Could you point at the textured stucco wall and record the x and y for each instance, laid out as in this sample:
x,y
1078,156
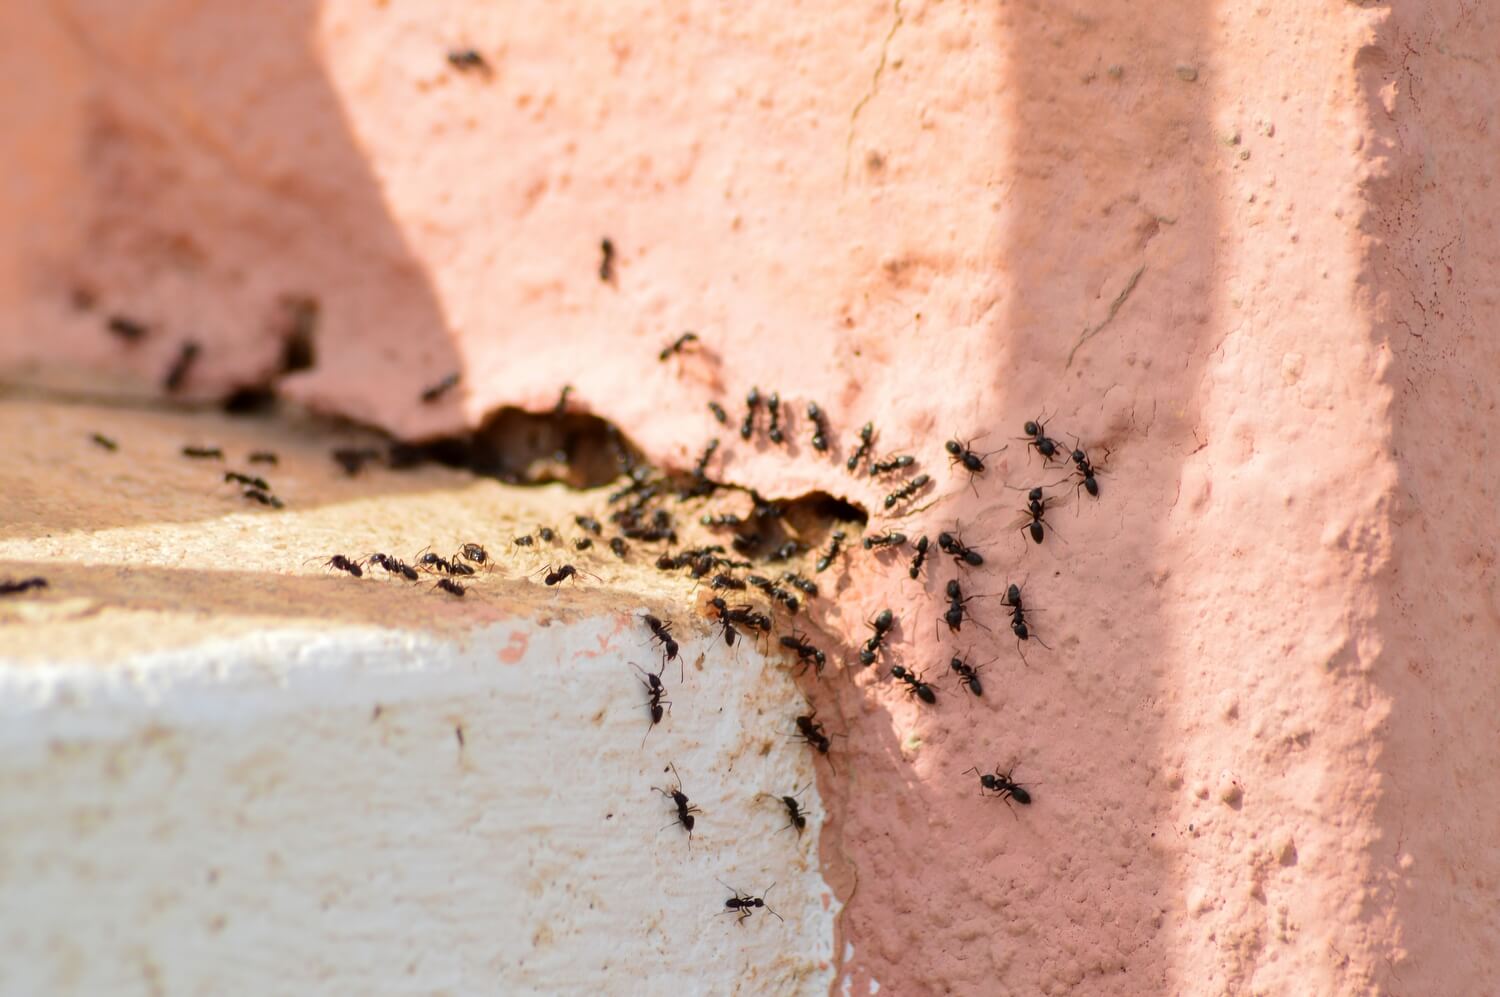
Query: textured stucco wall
x,y
1260,738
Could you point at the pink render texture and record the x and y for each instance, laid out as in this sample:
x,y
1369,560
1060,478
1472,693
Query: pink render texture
x,y
1247,249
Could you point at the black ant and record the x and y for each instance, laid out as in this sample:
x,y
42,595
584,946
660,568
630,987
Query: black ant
x,y
264,497
606,261
806,653
805,585
726,521
775,591
435,562
677,345
24,585
105,442
342,563
722,581
752,402
203,453
836,540
950,544
882,625
525,540
744,904
961,452
785,552
878,467
866,437
968,675
954,616
809,730
127,329
915,685
394,566
661,633
719,413
1031,518
773,406
685,810
1084,468
545,534
441,388
797,817
589,523
722,613
907,490
1036,433
247,479
820,428
655,693
618,547
465,59
354,459
177,375
264,457
451,587
1018,619
1001,784
700,469
583,543
889,538
556,575
916,561
474,552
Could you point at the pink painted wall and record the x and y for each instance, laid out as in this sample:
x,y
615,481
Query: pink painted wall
x,y
1262,740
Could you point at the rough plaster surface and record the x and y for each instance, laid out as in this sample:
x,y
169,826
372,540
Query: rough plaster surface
x,y
1261,738
264,778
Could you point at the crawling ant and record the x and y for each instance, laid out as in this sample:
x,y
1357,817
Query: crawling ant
x,y
719,413
685,810
8,587
661,633
820,428
264,457
433,561
177,375
677,345
773,406
796,816
474,552
451,587
618,547
916,560
583,543
246,479
726,621
1001,784
545,534
752,402
806,653
525,540
127,329
1084,468
882,625
835,545
655,693
785,552
105,442
589,523
354,459
954,616
700,469
203,453
968,675
950,544
394,566
1031,518
465,59
745,904
961,453
915,685
878,467
890,538
1018,619
342,563
606,261
806,586
722,581
441,388
1036,434
556,576
809,730
907,490
866,437
264,497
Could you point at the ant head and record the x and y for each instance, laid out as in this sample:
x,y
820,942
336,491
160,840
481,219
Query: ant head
x,y
1035,494
953,447
1013,593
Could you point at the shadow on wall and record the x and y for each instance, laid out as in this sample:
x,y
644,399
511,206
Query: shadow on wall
x,y
1109,230
166,171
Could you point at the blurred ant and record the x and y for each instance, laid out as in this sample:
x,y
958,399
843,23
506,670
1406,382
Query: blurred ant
x,y
834,546
556,575
968,675
127,329
583,543
878,467
441,388
354,459
907,490
949,543
1032,518
700,469
1002,786
606,261
342,563
203,453
820,428
589,523
545,534
722,581
719,413
752,402
773,406
451,587
263,457
525,540
866,437
916,561
685,810
655,693
9,587
177,375
881,624
465,59
776,592
785,552
954,616
806,586
677,345
915,685
246,479
745,904
727,521
890,538
1036,434
105,442
806,653
263,497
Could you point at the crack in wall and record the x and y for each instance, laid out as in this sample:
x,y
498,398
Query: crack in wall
x,y
885,48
